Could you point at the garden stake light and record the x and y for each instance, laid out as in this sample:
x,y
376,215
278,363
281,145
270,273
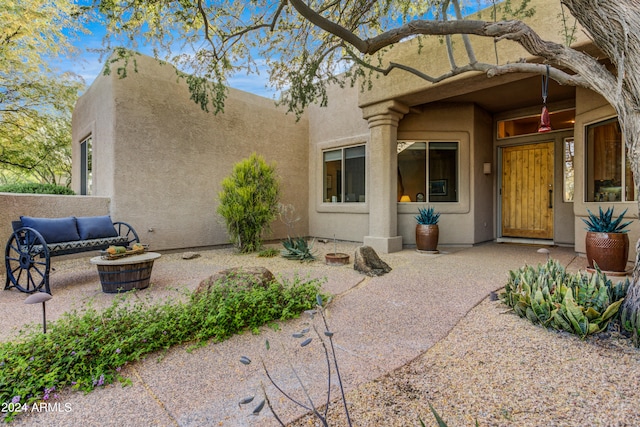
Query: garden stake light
x,y
544,251
42,297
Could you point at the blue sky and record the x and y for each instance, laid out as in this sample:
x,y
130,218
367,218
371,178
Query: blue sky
x,y
88,64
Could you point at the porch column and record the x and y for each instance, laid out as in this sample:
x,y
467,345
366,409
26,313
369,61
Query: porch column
x,y
383,121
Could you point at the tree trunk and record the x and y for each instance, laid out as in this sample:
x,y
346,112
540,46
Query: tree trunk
x,y
613,28
630,314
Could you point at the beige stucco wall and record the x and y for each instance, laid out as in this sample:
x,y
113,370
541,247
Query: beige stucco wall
x,y
431,55
340,124
94,115
48,206
483,191
443,122
592,108
161,158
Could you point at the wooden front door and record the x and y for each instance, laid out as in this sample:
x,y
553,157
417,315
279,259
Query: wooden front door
x,y
527,191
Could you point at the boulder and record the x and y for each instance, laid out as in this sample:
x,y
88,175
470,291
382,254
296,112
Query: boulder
x,y
367,261
190,255
240,276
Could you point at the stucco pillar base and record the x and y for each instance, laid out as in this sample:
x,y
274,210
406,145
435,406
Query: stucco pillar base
x,y
384,245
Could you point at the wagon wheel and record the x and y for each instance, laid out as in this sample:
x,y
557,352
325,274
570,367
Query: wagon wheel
x,y
27,261
126,231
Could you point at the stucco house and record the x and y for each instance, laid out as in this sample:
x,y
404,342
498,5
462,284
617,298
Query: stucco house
x,y
360,168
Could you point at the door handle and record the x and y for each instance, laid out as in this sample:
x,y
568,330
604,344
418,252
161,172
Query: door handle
x,y
550,197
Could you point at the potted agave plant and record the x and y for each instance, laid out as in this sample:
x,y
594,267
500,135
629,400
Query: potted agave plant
x,y
607,241
427,231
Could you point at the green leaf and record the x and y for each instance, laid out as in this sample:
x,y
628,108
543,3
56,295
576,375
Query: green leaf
x,y
591,313
611,310
438,418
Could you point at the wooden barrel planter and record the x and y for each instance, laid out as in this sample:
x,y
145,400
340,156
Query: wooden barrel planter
x,y
125,274
336,258
121,278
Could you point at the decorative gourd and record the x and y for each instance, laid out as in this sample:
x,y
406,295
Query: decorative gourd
x,y
114,250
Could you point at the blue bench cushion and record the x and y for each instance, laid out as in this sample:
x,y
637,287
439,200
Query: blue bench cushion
x,y
96,227
53,230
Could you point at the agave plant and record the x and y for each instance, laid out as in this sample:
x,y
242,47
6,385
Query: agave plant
x,y
298,249
427,216
576,303
604,222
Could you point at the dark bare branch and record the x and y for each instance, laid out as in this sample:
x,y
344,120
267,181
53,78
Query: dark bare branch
x,y
329,26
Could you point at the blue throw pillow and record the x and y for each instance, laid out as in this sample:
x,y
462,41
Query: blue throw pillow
x,y
53,230
96,227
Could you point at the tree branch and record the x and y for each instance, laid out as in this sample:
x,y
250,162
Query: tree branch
x,y
599,78
329,26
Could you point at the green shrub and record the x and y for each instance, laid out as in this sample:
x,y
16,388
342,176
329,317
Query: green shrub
x,y
630,319
249,202
87,349
575,303
268,253
36,188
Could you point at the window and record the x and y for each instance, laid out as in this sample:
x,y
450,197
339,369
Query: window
x,y
344,175
607,179
529,125
427,171
86,162
568,176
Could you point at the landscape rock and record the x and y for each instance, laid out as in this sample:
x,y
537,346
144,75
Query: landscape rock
x,y
367,261
190,255
240,276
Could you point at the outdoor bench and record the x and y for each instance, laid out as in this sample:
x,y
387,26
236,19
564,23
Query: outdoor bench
x,y
35,240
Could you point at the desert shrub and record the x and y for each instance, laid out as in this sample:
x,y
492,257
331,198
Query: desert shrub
x,y
576,303
249,202
268,253
87,349
298,248
36,188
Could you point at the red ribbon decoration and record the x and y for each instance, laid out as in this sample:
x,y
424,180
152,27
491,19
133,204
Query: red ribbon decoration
x,y
545,121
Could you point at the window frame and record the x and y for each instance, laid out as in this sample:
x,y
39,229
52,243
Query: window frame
x,y
429,183
86,165
535,119
622,158
335,181
568,169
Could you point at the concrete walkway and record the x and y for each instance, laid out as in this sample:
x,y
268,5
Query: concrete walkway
x,y
380,324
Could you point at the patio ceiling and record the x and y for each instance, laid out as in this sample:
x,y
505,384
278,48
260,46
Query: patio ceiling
x,y
494,95
516,95
499,94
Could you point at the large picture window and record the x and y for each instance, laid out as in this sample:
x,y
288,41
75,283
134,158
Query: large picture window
x,y
608,173
86,165
344,175
427,171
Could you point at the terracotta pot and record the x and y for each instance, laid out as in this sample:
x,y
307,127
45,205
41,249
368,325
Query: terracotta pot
x,y
427,237
609,250
336,258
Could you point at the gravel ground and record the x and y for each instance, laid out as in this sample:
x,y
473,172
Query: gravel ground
x,y
491,366
500,370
